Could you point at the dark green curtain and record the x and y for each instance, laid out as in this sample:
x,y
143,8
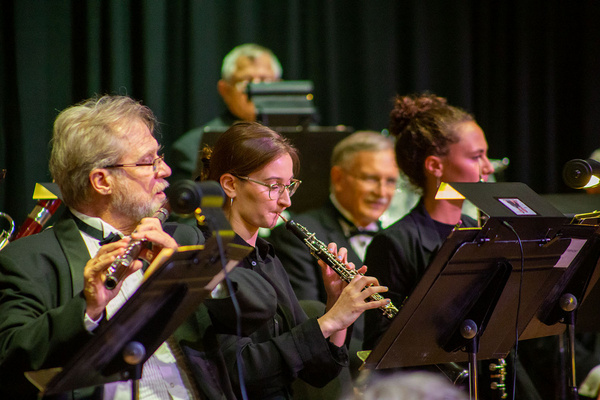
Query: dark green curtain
x,y
526,69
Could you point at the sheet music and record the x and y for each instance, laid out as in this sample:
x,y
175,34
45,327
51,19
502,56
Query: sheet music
x,y
570,253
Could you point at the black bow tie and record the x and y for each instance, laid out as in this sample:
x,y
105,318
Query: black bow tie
x,y
112,237
96,233
357,232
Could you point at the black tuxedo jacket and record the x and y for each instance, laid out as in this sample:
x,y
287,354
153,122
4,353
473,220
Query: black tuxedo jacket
x,y
42,305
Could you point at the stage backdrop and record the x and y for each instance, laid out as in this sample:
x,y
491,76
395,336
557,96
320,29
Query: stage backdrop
x,y
527,69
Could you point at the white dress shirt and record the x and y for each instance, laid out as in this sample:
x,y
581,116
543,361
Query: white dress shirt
x,y
161,378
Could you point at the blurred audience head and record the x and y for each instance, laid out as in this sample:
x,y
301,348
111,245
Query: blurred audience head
x,y
420,385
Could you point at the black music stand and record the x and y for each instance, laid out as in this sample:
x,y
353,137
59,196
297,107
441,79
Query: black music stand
x,y
174,286
283,103
464,308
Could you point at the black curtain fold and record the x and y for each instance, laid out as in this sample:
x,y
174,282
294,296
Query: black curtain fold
x,y
526,69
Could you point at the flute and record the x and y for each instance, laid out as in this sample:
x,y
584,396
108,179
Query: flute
x,y
117,270
320,251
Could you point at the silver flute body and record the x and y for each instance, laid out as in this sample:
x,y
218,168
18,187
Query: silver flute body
x,y
118,269
320,251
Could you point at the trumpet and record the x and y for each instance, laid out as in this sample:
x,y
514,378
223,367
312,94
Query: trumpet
x,y
319,250
117,270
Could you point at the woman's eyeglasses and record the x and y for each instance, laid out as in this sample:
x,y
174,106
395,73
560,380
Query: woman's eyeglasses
x,y
275,187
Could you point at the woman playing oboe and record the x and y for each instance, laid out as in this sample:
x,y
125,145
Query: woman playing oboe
x,y
256,168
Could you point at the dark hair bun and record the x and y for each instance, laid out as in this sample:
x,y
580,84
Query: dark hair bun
x,y
406,108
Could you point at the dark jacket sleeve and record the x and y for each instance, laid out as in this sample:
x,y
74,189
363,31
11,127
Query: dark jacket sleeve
x,y
276,363
385,257
39,328
286,346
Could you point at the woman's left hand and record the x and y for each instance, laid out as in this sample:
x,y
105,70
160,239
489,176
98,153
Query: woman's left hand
x,y
332,281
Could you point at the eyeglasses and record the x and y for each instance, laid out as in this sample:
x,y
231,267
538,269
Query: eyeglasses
x,y
155,164
375,181
275,187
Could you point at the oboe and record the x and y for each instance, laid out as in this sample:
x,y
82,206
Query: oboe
x,y
319,250
118,268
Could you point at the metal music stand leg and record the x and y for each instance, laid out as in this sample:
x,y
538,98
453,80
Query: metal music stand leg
x,y
135,385
568,303
133,354
469,330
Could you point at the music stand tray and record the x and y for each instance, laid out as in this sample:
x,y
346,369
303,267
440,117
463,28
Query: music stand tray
x,y
174,285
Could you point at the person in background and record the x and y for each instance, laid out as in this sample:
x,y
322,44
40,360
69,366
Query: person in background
x,y
420,385
256,168
112,177
363,177
244,64
435,142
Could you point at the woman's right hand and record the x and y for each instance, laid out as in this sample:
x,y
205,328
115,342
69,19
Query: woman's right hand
x,y
350,305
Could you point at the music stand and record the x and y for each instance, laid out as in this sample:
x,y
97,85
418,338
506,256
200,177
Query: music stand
x,y
174,286
469,295
283,103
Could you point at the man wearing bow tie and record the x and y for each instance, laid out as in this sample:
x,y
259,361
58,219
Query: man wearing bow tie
x,y
106,162
363,181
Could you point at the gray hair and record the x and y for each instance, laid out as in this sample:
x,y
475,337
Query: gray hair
x,y
419,385
252,51
89,135
359,141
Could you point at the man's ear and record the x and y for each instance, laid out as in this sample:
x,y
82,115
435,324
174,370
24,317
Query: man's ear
x,y
102,182
434,166
336,174
223,87
228,183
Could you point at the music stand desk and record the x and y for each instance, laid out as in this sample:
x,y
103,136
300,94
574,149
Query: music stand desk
x,y
476,275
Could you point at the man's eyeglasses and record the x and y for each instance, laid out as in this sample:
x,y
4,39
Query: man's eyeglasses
x,y
155,164
376,181
275,187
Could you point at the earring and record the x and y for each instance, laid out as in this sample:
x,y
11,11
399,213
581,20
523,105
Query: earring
x,y
231,203
438,181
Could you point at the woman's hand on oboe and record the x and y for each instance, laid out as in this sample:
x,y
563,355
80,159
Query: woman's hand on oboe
x,y
331,280
350,304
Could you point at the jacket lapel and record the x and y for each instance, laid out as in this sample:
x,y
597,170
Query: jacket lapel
x,y
74,248
336,234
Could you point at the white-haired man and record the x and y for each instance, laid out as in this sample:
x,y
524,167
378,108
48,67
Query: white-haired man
x,y
244,64
107,165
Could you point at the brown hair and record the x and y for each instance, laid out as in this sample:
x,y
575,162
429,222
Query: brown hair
x,y
244,148
423,125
